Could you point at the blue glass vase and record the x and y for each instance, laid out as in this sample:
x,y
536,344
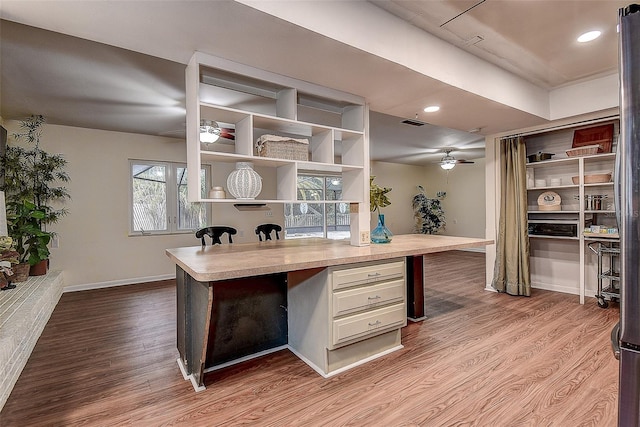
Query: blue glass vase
x,y
381,234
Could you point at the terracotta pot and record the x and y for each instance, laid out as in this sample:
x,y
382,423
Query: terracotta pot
x,y
39,269
20,272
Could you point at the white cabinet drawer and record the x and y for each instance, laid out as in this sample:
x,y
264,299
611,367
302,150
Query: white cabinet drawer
x,y
368,274
367,324
368,297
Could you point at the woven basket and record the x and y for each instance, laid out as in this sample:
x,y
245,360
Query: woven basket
x,y
587,150
20,272
278,147
598,178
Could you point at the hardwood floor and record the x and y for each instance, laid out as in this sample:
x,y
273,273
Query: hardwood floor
x,y
108,358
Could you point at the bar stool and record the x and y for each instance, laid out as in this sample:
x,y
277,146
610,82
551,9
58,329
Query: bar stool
x,y
215,232
266,229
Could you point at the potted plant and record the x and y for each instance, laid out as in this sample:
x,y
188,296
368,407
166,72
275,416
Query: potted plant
x,y
33,175
24,225
428,213
378,199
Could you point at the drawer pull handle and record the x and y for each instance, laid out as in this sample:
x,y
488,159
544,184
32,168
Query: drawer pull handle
x,y
377,322
374,298
373,274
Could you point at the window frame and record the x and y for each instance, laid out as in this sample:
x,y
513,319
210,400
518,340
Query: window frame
x,y
325,203
171,176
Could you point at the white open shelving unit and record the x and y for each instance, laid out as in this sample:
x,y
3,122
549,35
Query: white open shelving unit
x,y
562,263
255,102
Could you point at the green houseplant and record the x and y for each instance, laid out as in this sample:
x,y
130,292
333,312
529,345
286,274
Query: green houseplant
x,y
428,213
35,191
378,199
24,224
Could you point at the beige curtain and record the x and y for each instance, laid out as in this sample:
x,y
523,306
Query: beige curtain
x,y
511,271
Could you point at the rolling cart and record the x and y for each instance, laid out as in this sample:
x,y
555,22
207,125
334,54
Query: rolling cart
x,y
612,291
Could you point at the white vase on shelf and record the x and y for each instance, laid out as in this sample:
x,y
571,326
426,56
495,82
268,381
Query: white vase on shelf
x,y
244,182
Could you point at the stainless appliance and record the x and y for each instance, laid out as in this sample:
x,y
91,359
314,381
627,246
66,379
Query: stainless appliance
x,y
628,185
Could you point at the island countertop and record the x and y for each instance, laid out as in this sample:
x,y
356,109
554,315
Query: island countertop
x,y
230,261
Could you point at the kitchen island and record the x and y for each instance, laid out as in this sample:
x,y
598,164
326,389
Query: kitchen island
x,y
239,301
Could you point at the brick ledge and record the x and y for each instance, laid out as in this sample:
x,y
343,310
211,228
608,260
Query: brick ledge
x,y
24,312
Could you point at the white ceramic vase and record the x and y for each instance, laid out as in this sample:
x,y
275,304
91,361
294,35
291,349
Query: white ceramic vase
x,y
244,182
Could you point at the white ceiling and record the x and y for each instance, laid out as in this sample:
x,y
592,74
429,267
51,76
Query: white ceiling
x,y
535,39
120,65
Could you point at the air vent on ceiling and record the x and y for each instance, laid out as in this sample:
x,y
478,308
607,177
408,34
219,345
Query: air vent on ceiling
x,y
413,122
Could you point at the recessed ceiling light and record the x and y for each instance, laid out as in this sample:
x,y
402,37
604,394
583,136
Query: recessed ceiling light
x,y
588,36
431,109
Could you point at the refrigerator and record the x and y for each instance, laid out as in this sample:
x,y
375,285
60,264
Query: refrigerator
x,y
626,335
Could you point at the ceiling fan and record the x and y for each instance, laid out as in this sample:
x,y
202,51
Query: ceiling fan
x,y
448,162
211,131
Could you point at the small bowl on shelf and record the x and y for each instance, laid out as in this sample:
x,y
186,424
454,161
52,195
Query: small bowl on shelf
x,y
217,193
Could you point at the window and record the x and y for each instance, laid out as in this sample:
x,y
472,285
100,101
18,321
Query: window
x,y
159,208
313,219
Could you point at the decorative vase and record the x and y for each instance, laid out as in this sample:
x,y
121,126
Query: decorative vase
x,y
217,193
244,182
381,234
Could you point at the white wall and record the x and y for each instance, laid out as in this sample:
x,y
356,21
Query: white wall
x,y
95,247
465,200
585,97
403,180
463,206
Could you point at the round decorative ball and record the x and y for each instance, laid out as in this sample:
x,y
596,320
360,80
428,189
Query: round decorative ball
x,y
244,182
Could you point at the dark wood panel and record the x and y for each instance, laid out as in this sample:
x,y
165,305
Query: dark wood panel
x,y
181,321
108,357
249,316
415,287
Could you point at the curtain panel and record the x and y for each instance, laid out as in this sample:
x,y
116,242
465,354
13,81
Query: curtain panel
x,y
512,273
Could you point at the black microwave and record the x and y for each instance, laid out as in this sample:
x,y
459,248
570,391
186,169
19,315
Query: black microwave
x,y
553,228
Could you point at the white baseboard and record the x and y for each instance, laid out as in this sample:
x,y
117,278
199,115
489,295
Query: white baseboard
x,y
556,288
190,377
345,368
545,287
113,283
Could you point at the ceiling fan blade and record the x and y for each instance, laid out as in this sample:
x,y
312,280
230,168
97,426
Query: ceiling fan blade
x,y
227,135
457,162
